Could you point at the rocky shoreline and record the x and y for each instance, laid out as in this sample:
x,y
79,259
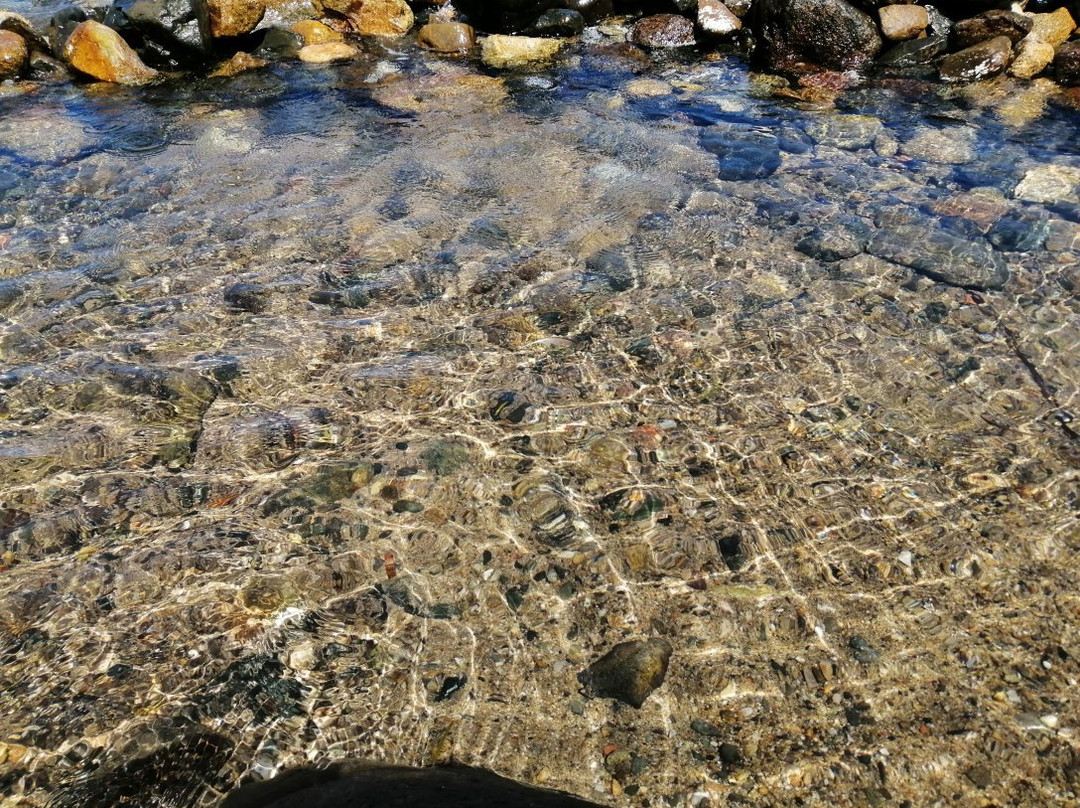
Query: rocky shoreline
x,y
814,42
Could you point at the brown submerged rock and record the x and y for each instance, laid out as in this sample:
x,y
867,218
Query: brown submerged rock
x,y
628,672
663,31
446,37
977,62
14,54
101,53
234,17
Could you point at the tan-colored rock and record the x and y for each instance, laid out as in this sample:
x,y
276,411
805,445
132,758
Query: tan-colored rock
x,y
239,63
14,54
502,51
1053,28
101,53
713,17
325,52
1031,57
392,18
903,21
446,37
234,17
315,33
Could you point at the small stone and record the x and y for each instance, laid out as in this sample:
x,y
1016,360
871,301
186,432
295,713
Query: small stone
x,y
1053,28
101,53
903,21
234,17
952,146
863,651
14,55
239,63
280,43
389,18
502,51
978,62
326,52
1067,64
315,33
629,672
1032,57
558,22
663,31
715,18
980,776
447,37
990,24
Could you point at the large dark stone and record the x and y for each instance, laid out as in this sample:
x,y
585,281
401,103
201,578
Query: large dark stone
x,y
742,154
826,33
372,785
990,24
558,22
628,672
1067,63
515,16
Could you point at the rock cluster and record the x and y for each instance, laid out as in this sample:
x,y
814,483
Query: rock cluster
x,y
138,42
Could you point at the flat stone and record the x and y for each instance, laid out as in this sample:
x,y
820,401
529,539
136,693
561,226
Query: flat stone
x,y
663,31
1032,57
977,62
101,53
325,52
503,51
1067,64
557,22
234,17
240,62
629,672
990,24
1053,28
952,146
315,32
1050,183
14,54
716,19
903,21
447,37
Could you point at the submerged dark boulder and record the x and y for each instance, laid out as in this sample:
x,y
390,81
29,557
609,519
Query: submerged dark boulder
x,y
824,33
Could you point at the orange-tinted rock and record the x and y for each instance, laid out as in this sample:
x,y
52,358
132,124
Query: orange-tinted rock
x,y
446,37
239,63
328,52
14,54
315,33
380,17
234,17
101,53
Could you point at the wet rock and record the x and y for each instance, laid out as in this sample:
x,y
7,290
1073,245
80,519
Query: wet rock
x,y
510,407
990,24
845,131
863,651
443,458
234,17
918,244
279,43
629,672
742,154
827,33
1032,57
179,28
101,53
838,240
924,50
504,52
387,18
315,32
1053,28
716,19
558,22
611,268
14,55
1022,232
18,24
977,62
950,146
364,784
240,62
543,505
663,31
1067,64
401,592
45,68
257,683
250,297
1049,184
447,37
325,52
902,21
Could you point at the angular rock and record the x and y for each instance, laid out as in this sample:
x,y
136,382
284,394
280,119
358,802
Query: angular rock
x,y
180,28
388,18
716,19
991,24
500,51
1053,28
1067,64
1049,184
977,62
447,37
325,52
239,63
663,31
827,33
101,53
845,131
234,17
14,55
902,21
315,33
1032,57
742,154
840,239
558,22
629,672
905,239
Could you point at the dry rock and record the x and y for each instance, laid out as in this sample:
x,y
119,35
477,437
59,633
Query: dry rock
x,y
713,17
1067,64
903,21
328,52
1032,57
316,33
101,53
234,17
17,24
502,51
14,54
447,37
1053,28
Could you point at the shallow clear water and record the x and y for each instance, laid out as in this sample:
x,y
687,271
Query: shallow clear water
x,y
353,411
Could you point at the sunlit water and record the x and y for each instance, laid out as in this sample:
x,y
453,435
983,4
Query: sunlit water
x,y
352,411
